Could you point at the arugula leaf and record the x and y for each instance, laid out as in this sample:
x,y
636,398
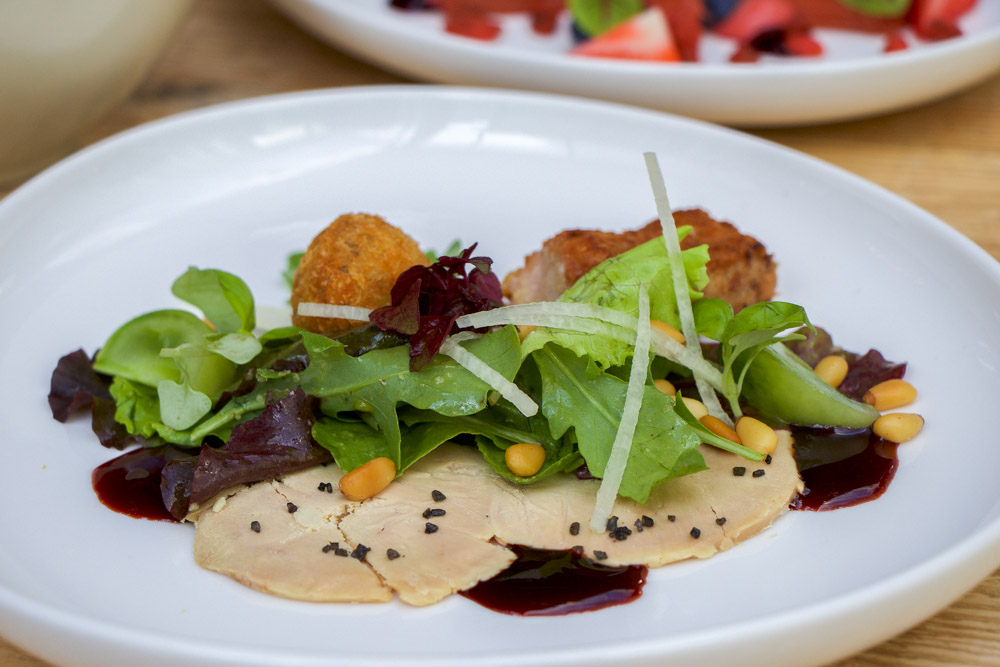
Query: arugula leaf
x,y
663,447
351,443
223,298
595,16
614,283
880,8
378,381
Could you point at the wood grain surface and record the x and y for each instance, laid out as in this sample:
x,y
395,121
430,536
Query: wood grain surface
x,y
944,157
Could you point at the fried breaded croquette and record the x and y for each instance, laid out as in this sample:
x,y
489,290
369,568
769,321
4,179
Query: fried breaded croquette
x,y
353,262
740,270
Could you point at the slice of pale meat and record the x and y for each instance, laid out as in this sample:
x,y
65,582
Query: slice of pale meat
x,y
456,552
286,557
691,517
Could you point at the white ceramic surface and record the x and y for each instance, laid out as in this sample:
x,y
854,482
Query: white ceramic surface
x,y
99,238
854,79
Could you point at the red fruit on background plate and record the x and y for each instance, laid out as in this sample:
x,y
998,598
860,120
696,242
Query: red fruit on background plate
x,y
645,36
938,19
685,18
752,18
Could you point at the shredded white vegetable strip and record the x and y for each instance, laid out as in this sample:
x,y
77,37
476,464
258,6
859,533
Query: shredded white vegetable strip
x,y
311,309
681,293
498,316
618,459
484,372
591,319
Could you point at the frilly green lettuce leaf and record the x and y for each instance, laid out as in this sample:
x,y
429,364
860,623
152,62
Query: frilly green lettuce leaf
x,y
614,283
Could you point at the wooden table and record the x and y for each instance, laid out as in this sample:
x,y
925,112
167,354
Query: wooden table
x,y
944,157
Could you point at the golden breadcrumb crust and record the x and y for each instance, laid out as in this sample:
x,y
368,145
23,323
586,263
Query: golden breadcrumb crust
x,y
353,262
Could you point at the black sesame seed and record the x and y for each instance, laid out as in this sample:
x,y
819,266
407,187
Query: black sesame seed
x,y
739,471
341,552
360,552
255,526
391,554
759,472
426,513
647,521
437,496
600,555
437,511
695,533
326,548
621,533
574,528
768,459
430,528
638,525
291,508
671,517
721,521
612,524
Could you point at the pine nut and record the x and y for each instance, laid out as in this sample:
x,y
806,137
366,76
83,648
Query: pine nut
x,y
832,370
695,407
524,459
666,386
368,479
757,435
668,329
898,426
890,395
720,428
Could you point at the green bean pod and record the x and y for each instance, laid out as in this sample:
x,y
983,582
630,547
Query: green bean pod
x,y
781,386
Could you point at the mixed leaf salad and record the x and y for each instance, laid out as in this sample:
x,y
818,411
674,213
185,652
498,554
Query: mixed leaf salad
x,y
445,361
671,30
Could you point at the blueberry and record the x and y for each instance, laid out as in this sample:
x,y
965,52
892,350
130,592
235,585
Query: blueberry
x,y
718,10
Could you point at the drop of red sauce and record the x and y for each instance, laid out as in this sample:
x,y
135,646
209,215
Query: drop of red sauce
x,y
841,468
130,484
555,583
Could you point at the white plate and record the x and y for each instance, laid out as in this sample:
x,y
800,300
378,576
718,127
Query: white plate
x,y
99,238
854,78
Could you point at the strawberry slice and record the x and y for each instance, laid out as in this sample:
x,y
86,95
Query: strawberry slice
x,y
938,19
752,18
685,18
645,36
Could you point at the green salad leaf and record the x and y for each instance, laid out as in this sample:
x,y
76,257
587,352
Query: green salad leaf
x,y
224,299
614,284
593,17
663,447
378,381
879,8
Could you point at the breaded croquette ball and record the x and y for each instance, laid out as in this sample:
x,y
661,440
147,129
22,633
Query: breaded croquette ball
x,y
353,262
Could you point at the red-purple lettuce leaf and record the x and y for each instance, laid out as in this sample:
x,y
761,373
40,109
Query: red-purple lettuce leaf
x,y
426,301
75,384
868,371
276,442
863,371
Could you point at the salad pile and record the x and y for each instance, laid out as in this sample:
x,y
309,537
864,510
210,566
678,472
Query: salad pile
x,y
671,30
445,362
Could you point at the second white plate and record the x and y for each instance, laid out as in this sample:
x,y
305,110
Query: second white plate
x,y
854,79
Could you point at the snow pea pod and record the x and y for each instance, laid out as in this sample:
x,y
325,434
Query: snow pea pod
x,y
782,386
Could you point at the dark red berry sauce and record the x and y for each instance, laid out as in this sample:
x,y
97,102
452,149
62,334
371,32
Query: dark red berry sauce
x,y
554,583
